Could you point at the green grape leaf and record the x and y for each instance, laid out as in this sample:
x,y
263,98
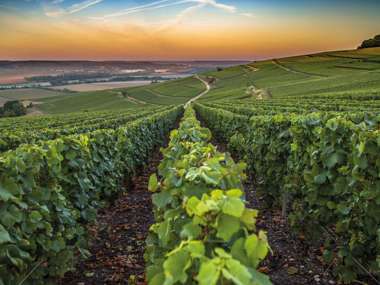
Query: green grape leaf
x,y
211,177
250,244
237,193
222,253
157,279
209,272
249,218
321,178
201,209
332,160
191,205
257,248
233,206
227,226
163,231
9,189
175,267
196,248
153,183
259,278
4,235
35,216
5,195
237,272
161,199
238,250
191,231
217,194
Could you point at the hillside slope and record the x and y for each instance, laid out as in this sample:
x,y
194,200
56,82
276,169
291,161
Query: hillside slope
x,y
339,73
172,92
344,72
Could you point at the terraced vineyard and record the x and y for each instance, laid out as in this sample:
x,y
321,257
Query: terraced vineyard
x,y
302,207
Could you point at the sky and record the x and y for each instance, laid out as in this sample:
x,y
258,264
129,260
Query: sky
x,y
181,29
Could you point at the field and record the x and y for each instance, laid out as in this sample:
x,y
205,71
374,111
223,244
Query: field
x,y
30,94
50,101
271,176
100,86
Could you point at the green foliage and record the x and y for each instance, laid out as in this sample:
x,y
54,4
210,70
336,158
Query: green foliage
x,y
267,153
49,191
34,130
327,164
172,92
12,109
204,233
334,182
371,43
352,73
226,126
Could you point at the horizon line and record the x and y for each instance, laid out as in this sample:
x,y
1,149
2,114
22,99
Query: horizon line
x,y
124,60
178,60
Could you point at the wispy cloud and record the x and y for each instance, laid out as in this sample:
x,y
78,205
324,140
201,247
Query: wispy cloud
x,y
138,9
82,5
180,17
227,8
249,15
167,3
54,11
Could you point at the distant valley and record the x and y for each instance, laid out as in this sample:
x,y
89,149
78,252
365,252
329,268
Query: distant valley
x,y
32,74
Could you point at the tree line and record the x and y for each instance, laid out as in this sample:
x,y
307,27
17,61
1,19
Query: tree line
x,y
370,43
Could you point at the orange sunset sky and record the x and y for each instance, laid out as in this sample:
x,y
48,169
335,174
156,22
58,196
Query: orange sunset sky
x,y
181,30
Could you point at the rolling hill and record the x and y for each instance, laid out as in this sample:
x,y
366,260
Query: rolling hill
x,y
343,73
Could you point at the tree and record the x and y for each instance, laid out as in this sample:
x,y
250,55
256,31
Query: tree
x,y
370,43
13,109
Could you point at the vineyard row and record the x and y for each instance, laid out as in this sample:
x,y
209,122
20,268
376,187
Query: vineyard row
x,y
204,233
49,191
323,168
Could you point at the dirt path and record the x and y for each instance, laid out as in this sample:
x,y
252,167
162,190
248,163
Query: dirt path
x,y
155,93
284,67
136,101
131,99
201,94
119,237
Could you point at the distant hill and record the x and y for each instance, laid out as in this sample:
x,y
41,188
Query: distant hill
x,y
350,73
375,42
